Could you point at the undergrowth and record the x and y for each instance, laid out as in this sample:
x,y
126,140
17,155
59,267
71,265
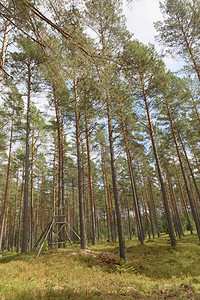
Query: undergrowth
x,y
154,270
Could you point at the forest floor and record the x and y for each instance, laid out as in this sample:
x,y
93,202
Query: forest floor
x,y
154,270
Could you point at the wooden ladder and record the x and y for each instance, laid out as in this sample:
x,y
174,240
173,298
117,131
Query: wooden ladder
x,y
54,227
40,243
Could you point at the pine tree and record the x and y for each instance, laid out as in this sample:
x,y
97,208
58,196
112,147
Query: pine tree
x,y
180,30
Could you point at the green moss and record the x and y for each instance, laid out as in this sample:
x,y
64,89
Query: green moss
x,y
153,271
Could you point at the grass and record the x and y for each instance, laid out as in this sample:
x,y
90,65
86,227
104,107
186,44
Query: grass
x,y
154,270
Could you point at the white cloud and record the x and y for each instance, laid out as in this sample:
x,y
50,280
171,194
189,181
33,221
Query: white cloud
x,y
140,17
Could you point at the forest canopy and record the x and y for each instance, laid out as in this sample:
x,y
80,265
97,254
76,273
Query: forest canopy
x,y
97,137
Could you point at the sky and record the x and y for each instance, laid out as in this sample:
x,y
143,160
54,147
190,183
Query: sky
x,y
140,15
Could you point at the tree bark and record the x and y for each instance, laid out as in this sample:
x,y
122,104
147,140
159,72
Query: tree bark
x,y
32,186
37,210
105,194
122,247
196,110
174,205
112,222
189,166
195,156
3,51
68,215
140,229
149,207
193,196
54,182
59,210
25,230
43,205
20,211
194,213
127,207
10,227
59,152
15,214
183,199
80,176
145,206
190,50
163,189
90,178
62,165
7,183
154,208
6,217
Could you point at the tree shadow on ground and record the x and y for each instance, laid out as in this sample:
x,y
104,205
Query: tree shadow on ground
x,y
6,259
182,292
70,294
156,259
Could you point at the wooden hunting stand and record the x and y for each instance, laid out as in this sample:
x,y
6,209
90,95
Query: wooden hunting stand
x,y
55,232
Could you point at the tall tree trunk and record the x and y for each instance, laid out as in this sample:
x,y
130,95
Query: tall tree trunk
x,y
63,163
73,210
32,207
54,182
110,207
189,46
196,110
149,207
90,178
172,209
163,189
80,176
87,215
174,205
122,246
105,194
7,183
193,196
183,199
20,212
154,207
114,213
10,227
43,205
62,181
189,166
59,152
37,210
25,230
140,229
15,214
6,217
59,209
195,156
194,213
3,51
127,207
68,215
145,206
